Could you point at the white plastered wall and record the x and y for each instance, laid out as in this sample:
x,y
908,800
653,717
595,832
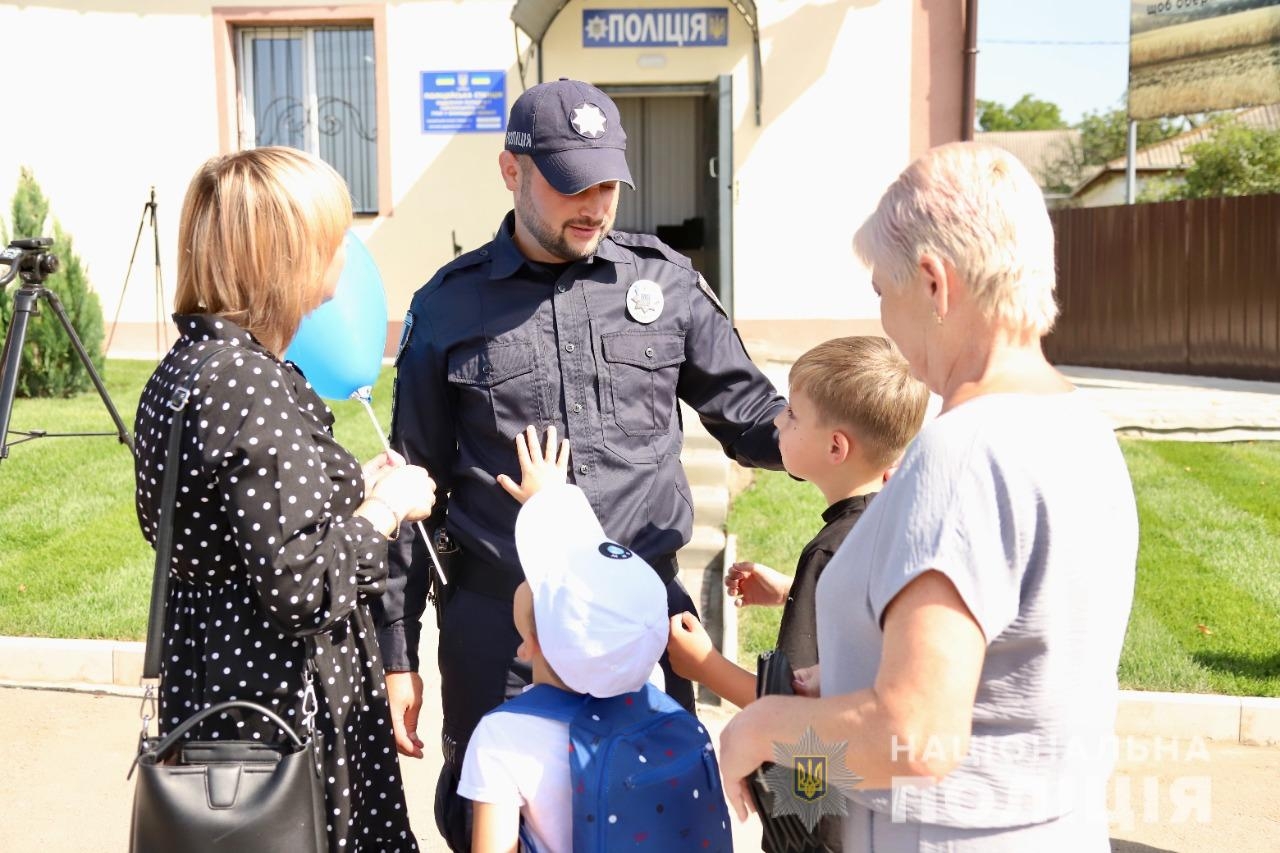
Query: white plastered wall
x,y
111,98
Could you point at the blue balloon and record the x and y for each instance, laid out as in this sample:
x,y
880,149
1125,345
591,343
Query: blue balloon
x,y
339,345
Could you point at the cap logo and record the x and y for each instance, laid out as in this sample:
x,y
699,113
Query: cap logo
x,y
588,120
614,551
519,139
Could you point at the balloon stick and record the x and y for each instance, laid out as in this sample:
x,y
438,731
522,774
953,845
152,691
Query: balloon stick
x,y
365,396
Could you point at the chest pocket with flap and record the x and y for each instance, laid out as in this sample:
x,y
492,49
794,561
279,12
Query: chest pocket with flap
x,y
644,368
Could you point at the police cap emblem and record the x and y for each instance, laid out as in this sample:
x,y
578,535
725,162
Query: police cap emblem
x,y
588,120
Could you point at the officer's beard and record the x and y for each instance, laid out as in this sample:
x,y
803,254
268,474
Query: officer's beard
x,y
553,239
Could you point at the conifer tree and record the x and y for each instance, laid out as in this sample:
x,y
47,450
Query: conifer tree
x,y
50,366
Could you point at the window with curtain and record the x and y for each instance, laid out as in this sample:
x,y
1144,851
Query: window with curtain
x,y
313,88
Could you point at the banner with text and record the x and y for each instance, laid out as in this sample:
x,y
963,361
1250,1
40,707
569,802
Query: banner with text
x,y
660,27
1190,56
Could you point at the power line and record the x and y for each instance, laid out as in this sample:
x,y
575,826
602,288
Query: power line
x,y
1055,43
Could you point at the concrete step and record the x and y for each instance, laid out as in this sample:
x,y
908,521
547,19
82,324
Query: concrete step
x,y
710,505
695,436
704,547
706,466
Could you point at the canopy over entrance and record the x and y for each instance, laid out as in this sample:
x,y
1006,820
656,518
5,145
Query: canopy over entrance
x,y
535,17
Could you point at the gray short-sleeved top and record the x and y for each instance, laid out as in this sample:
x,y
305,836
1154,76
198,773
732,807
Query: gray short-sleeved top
x,y
1024,502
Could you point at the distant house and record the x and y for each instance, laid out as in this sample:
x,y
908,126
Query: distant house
x,y
1161,162
1039,151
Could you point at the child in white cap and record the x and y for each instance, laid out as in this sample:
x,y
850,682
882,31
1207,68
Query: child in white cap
x,y
592,618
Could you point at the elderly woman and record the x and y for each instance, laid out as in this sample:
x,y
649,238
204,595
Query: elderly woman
x,y
279,535
970,626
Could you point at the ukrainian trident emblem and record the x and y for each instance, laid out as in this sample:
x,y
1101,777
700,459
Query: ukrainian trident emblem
x,y
810,777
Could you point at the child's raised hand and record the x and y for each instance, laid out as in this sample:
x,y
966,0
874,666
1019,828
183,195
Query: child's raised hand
x,y
689,646
539,468
756,583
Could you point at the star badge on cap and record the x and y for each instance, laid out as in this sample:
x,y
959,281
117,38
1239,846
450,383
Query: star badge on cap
x,y
588,120
644,301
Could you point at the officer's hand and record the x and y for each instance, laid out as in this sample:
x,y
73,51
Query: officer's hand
x,y
756,583
539,467
404,695
689,646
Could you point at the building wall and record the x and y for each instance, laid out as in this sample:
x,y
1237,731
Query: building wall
x,y
1109,188
146,100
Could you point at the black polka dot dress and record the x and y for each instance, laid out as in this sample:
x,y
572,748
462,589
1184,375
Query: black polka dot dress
x,y
265,553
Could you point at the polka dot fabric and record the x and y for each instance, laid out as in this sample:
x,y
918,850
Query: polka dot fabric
x,y
266,551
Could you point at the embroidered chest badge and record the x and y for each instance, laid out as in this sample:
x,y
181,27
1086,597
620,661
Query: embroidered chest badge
x,y
644,301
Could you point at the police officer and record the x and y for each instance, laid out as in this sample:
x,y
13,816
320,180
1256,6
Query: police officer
x,y
558,321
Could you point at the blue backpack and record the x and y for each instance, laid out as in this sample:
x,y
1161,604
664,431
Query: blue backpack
x,y
644,773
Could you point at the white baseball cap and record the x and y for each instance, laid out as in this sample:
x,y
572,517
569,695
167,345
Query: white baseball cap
x,y
601,611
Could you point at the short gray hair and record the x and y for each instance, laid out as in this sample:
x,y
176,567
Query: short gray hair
x,y
977,207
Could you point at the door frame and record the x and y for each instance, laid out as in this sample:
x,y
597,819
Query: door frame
x,y
720,88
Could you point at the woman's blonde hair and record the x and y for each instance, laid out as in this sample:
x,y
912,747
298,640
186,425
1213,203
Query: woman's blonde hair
x,y
258,232
976,206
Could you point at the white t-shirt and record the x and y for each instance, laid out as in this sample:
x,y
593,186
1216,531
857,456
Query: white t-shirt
x,y
523,760
1024,502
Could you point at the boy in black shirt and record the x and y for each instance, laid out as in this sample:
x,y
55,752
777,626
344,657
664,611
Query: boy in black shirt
x,y
853,410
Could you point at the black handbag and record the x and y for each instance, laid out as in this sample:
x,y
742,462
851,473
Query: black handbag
x,y
781,833
219,796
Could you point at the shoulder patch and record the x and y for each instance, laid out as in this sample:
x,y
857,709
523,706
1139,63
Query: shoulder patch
x,y
647,245
406,332
705,287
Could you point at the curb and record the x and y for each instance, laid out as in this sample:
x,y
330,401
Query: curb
x,y
115,667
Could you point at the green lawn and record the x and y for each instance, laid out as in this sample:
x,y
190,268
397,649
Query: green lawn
x,y
1206,615
72,561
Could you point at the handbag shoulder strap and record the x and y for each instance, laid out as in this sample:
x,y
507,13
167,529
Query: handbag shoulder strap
x,y
164,519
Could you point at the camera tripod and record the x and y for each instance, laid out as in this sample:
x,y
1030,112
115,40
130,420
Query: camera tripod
x,y
148,215
31,260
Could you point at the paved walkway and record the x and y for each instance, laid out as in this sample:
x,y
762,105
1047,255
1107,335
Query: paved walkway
x,y
66,755
1157,405
1194,408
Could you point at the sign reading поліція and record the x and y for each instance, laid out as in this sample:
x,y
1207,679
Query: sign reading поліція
x,y
655,27
464,101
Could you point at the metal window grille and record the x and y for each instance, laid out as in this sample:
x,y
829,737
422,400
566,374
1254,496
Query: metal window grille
x,y
313,88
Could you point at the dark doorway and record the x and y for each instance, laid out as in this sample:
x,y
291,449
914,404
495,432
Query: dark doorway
x,y
680,150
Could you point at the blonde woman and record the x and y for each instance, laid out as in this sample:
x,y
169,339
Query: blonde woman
x,y
970,626
279,534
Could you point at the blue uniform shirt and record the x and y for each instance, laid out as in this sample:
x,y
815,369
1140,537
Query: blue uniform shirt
x,y
494,343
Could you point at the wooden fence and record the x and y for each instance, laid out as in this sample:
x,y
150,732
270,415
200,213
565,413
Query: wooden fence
x,y
1179,287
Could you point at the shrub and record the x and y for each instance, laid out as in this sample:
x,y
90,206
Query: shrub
x,y
50,366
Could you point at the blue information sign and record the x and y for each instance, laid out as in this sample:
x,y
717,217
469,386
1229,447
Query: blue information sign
x,y
464,101
655,27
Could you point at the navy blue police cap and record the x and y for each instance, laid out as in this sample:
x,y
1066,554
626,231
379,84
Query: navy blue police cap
x,y
574,134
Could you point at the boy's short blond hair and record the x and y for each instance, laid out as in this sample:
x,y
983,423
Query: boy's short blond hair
x,y
864,385
258,231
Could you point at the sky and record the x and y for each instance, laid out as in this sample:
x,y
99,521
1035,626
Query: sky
x,y
1075,54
